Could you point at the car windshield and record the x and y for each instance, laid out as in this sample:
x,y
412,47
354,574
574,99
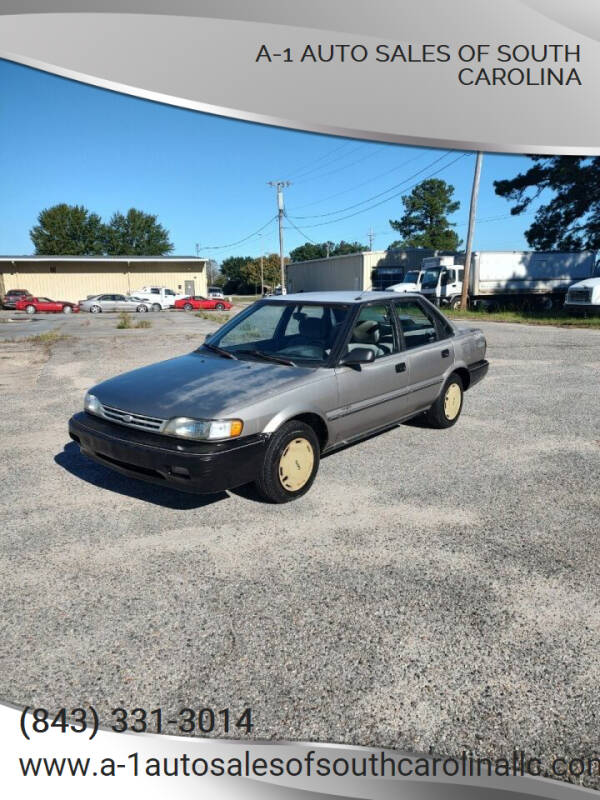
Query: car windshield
x,y
411,277
294,331
430,278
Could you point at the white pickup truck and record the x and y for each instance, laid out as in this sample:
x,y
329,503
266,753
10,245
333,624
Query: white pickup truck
x,y
159,296
584,296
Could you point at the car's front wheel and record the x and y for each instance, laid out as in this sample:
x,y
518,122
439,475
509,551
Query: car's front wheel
x,y
219,306
67,310
142,309
290,464
444,413
95,309
30,309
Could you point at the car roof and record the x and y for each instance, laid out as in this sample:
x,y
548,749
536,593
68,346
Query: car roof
x,y
355,297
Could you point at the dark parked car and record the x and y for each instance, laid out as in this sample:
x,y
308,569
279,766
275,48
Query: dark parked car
x,y
12,296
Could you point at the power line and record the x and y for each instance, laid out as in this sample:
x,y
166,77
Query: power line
x,y
318,176
308,239
379,194
325,156
386,199
239,241
364,183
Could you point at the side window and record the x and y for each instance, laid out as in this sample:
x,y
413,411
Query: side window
x,y
374,330
259,326
119,297
299,324
418,327
154,291
170,292
461,275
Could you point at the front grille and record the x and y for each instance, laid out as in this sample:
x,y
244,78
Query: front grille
x,y
579,296
132,420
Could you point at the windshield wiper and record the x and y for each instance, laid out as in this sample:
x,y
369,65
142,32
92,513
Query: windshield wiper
x,y
268,357
219,350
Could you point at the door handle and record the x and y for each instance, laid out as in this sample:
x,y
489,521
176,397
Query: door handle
x,y
445,353
401,367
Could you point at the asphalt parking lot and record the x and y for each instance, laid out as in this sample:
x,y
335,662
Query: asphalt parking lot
x,y
435,590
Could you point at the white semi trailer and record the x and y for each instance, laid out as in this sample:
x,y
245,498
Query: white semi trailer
x,y
499,278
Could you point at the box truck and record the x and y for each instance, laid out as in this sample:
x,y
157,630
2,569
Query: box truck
x,y
499,278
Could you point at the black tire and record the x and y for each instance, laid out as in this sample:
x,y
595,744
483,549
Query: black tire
x,y
219,306
156,307
455,303
272,480
30,309
95,309
188,307
444,413
142,309
67,309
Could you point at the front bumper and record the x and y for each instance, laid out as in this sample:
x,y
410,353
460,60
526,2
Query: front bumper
x,y
478,371
198,467
581,308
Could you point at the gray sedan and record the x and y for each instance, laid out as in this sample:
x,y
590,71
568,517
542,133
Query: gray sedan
x,y
288,380
114,302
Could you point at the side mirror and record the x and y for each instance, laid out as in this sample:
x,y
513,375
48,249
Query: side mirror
x,y
358,356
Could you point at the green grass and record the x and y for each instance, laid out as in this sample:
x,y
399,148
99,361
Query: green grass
x,y
244,299
48,339
558,318
214,316
124,320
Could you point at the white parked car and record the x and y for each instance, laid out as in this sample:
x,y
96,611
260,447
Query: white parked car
x,y
215,293
159,296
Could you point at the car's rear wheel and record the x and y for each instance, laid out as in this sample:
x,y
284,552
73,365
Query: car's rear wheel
x,y
67,310
444,413
156,307
141,309
219,306
187,307
290,464
95,309
30,309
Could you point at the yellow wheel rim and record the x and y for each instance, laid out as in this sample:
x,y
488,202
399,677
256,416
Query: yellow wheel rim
x,y
452,401
296,464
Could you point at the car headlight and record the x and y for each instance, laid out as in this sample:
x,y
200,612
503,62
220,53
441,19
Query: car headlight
x,y
203,428
92,404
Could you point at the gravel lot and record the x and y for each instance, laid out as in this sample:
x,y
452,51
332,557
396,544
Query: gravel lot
x,y
435,590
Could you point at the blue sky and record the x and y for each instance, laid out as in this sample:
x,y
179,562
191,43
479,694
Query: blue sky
x,y
206,176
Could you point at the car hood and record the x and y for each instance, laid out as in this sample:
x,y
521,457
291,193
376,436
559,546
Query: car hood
x,y
589,283
404,288
198,385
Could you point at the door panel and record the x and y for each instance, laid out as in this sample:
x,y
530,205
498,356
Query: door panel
x,y
429,354
375,394
373,397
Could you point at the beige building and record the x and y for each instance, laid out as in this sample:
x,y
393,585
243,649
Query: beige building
x,y
76,277
361,271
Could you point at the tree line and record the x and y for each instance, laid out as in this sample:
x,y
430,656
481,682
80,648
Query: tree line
x,y
73,230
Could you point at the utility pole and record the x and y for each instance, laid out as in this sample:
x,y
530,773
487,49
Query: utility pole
x,y
470,231
371,237
327,249
262,275
280,186
262,272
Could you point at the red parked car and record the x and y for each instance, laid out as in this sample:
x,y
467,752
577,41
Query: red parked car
x,y
12,296
189,303
34,304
